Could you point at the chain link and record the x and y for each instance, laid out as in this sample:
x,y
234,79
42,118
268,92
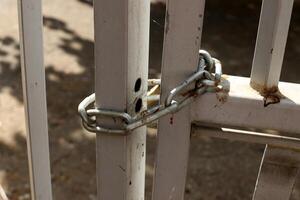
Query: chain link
x,y
204,80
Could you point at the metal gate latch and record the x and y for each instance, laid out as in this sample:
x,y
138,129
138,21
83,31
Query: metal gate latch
x,y
204,80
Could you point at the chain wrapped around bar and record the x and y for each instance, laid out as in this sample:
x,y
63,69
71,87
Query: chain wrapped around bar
x,y
204,80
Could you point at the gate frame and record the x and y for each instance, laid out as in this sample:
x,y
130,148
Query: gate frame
x,y
126,60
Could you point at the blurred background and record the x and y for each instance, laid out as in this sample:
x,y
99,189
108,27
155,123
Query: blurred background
x,y
218,169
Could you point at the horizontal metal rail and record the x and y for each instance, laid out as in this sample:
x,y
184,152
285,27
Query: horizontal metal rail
x,y
245,107
248,136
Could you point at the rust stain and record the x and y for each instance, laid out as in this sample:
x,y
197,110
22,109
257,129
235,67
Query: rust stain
x,y
271,95
222,96
223,89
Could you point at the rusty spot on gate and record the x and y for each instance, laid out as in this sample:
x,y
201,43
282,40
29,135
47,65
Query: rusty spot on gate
x,y
271,95
222,96
223,89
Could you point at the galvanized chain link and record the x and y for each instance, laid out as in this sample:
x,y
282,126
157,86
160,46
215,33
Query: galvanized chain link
x,y
204,79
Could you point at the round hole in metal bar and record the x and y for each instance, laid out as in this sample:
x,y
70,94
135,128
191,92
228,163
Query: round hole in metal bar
x,y
138,105
137,85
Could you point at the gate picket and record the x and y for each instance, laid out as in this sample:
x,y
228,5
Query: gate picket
x,y
276,178
180,57
34,90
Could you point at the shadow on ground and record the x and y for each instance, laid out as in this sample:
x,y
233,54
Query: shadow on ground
x,y
218,169
64,92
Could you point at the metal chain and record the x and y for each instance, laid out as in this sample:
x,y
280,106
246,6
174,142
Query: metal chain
x,y
203,79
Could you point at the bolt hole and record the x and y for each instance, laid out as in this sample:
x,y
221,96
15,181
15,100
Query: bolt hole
x,y
138,105
138,84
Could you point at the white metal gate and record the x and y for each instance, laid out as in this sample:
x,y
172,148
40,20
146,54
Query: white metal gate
x,y
121,58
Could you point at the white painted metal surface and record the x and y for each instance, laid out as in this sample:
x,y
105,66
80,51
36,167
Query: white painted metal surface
x,y
271,40
121,57
244,107
276,178
33,77
180,57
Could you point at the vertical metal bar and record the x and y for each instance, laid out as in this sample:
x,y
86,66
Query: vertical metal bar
x,y
121,57
271,40
34,90
276,178
2,194
180,56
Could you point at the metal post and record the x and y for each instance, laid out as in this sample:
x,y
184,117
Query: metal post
x,y
180,57
34,90
121,57
276,178
271,40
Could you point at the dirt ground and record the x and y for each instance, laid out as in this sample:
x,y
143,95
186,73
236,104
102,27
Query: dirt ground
x,y
218,169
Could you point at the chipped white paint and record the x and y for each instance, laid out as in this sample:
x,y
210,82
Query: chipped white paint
x,y
121,57
33,79
180,57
